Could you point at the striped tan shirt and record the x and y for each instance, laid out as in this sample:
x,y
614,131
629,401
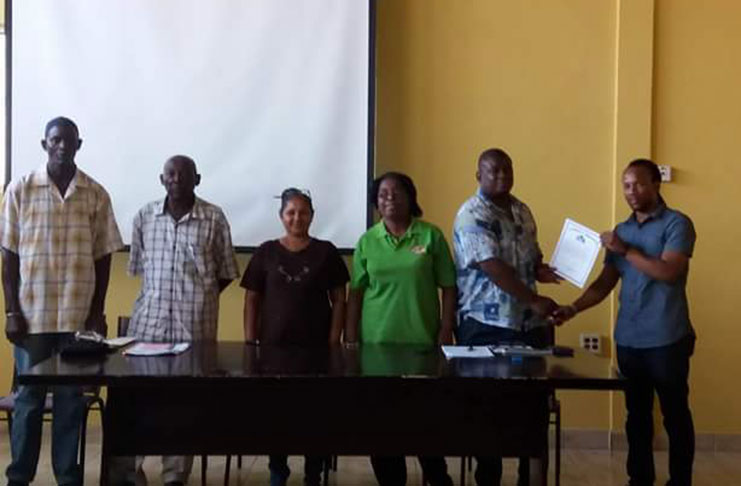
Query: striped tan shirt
x,y
58,239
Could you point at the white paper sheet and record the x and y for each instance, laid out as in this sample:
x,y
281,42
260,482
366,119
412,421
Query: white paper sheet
x,y
156,349
576,252
466,352
120,342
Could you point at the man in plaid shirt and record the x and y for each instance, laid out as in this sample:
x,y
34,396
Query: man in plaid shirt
x,y
181,246
57,233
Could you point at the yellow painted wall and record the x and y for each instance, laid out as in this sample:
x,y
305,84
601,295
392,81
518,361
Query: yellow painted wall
x,y
571,89
536,78
697,129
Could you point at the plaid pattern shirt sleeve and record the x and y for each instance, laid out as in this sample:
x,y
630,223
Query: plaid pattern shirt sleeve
x,y
10,226
106,237
225,259
135,266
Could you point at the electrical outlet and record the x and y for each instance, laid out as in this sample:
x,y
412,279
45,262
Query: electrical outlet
x,y
666,173
591,342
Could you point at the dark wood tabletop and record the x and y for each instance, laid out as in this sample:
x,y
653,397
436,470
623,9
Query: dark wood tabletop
x,y
232,362
228,397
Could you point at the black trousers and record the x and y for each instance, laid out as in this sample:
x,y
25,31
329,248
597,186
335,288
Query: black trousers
x,y
279,471
664,370
392,470
473,333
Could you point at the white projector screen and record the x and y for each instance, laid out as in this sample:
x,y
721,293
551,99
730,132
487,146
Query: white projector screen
x,y
262,94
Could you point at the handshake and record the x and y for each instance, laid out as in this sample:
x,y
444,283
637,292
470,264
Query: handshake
x,y
553,313
546,307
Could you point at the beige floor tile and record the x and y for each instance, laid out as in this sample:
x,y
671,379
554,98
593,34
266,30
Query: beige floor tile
x,y
579,468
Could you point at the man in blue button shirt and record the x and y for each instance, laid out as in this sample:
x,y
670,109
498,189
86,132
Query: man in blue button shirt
x,y
650,252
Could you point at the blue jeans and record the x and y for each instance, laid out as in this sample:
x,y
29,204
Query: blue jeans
x,y
67,412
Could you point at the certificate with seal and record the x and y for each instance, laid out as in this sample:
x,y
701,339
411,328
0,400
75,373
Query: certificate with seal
x,y
575,253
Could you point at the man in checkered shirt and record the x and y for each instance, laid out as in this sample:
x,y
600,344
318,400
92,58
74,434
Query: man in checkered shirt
x,y
57,233
182,247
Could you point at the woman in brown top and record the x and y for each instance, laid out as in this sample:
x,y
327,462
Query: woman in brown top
x,y
295,294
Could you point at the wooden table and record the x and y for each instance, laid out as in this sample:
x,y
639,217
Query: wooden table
x,y
232,398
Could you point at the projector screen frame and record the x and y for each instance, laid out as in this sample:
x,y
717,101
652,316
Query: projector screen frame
x,y
239,249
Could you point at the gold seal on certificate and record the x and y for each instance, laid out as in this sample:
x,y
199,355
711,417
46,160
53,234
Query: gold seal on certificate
x,y
575,253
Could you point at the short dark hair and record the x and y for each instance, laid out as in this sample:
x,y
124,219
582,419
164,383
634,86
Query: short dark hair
x,y
408,185
185,159
493,155
649,165
61,121
293,193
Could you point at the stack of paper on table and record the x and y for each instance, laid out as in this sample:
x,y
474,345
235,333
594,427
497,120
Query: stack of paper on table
x,y
156,349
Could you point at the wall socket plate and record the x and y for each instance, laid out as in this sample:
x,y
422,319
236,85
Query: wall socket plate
x,y
591,342
666,173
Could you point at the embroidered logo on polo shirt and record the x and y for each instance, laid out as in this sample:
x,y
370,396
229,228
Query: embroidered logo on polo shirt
x,y
418,249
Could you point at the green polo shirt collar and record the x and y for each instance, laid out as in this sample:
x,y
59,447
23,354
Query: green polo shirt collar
x,y
381,232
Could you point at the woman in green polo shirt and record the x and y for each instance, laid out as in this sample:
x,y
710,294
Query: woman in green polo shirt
x,y
398,267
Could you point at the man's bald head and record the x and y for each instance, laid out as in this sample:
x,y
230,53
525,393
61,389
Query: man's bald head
x,y
494,155
183,160
494,173
180,177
